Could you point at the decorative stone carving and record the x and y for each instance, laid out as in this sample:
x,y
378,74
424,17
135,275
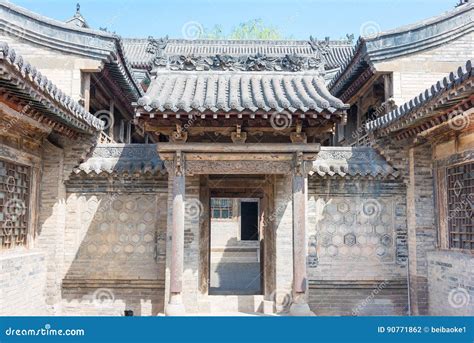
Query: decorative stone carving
x,y
157,48
360,230
350,239
258,62
321,48
238,167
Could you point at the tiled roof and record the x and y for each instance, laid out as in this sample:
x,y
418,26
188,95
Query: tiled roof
x,y
36,29
352,162
242,91
425,34
29,84
429,95
122,159
136,49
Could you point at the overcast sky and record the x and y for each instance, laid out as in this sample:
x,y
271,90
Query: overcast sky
x,y
296,18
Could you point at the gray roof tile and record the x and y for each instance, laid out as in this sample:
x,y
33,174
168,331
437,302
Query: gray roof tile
x,y
229,91
352,162
122,159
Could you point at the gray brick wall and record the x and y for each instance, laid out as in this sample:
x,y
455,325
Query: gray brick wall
x,y
22,283
450,283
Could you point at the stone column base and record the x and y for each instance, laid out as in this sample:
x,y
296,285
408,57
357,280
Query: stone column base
x,y
300,307
175,306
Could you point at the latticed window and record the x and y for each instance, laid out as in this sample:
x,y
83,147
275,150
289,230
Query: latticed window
x,y
460,206
221,208
14,200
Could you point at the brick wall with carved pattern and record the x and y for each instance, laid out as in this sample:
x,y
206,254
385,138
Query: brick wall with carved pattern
x,y
115,250
357,247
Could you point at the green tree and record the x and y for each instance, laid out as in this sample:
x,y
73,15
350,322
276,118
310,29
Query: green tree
x,y
252,29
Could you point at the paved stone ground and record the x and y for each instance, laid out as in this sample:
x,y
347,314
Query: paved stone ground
x,y
235,278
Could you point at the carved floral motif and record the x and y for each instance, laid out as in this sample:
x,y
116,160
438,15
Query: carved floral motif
x,y
257,62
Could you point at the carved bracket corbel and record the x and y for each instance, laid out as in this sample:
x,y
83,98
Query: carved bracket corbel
x,y
299,136
178,136
238,136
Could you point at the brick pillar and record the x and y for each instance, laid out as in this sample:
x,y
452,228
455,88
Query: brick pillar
x,y
175,306
52,221
421,225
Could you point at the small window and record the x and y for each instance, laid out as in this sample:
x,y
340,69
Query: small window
x,y
460,183
14,204
221,208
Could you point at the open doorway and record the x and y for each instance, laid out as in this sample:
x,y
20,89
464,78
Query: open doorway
x,y
235,266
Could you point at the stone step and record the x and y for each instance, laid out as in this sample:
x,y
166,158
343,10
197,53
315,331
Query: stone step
x,y
235,304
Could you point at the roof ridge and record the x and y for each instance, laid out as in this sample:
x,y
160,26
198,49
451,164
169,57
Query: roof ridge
x,y
52,21
424,22
239,41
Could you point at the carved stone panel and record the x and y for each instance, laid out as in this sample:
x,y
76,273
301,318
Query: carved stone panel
x,y
356,229
238,167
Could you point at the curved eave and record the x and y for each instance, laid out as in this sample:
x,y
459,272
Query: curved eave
x,y
45,32
26,83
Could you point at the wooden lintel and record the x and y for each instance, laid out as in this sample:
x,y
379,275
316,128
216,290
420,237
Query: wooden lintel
x,y
239,148
238,157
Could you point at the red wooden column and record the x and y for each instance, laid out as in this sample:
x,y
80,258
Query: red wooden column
x,y
299,306
175,306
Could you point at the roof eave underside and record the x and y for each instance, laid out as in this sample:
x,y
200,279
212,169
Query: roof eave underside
x,y
24,81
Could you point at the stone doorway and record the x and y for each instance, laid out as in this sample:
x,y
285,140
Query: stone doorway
x,y
235,265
